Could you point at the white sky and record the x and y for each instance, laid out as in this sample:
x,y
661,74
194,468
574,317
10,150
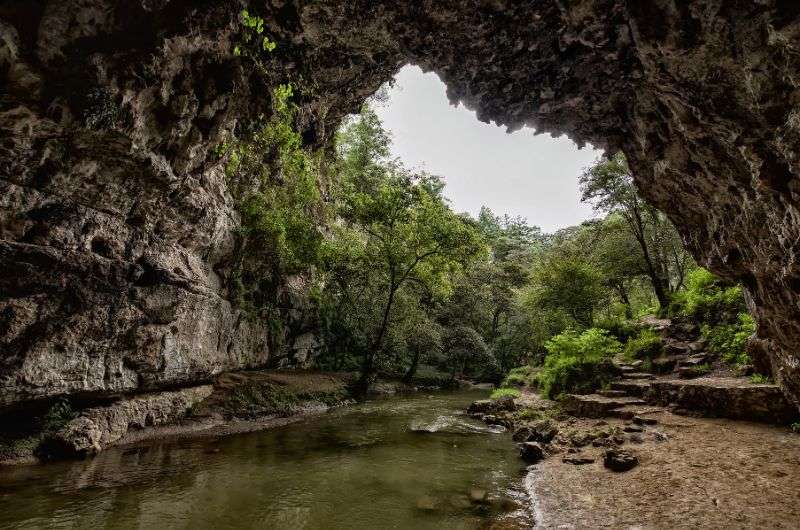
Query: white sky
x,y
518,173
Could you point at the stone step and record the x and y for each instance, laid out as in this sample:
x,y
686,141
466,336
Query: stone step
x,y
725,397
638,375
595,405
630,412
626,368
612,393
632,388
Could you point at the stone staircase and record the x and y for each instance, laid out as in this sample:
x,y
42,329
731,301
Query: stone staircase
x,y
637,394
674,382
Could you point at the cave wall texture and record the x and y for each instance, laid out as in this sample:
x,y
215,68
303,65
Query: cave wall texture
x,y
118,233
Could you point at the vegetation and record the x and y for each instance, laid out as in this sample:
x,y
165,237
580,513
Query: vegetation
x,y
646,345
578,362
505,392
759,379
401,281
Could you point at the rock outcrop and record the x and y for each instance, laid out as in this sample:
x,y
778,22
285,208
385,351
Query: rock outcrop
x,y
118,233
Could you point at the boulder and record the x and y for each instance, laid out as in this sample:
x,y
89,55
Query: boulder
x,y
492,406
531,452
619,460
540,431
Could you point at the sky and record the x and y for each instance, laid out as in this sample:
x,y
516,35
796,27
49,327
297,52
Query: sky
x,y
518,173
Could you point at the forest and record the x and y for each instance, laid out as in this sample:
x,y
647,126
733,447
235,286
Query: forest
x,y
406,287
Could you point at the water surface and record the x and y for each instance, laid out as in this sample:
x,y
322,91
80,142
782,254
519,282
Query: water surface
x,y
400,463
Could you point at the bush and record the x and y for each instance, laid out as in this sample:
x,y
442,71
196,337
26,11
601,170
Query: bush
x,y
729,340
707,299
760,379
520,376
646,345
578,363
505,392
620,328
57,416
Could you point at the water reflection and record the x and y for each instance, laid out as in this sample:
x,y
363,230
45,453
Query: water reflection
x,y
408,462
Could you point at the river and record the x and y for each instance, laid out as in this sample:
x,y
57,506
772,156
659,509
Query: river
x,y
403,462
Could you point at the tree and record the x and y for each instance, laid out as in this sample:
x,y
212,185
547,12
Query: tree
x,y
610,186
398,233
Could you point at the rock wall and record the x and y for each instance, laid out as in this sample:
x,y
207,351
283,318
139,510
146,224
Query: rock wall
x,y
117,229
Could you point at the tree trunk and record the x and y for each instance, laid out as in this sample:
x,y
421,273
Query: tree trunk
x,y
412,370
368,367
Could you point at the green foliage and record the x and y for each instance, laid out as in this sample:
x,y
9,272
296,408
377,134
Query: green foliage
x,y
760,379
729,340
795,427
505,392
57,416
707,299
568,285
578,362
619,328
646,345
520,376
254,42
281,214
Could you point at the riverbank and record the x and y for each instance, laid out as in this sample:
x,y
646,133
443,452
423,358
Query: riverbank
x,y
689,472
414,461
236,402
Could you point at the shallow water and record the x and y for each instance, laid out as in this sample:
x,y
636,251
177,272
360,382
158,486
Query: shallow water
x,y
399,463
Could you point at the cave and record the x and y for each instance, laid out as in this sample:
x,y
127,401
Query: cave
x,y
117,230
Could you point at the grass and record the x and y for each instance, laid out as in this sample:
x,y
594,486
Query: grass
x,y
505,392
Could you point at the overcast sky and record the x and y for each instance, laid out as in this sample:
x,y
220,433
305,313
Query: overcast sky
x,y
519,173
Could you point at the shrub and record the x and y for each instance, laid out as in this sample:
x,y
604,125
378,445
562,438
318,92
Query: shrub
x,y
729,340
795,427
645,346
505,392
620,328
520,376
578,363
760,379
707,299
58,415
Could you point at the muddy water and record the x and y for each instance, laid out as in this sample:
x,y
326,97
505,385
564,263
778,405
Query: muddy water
x,y
399,463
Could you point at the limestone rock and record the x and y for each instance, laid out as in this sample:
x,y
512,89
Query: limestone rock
x,y
118,233
97,428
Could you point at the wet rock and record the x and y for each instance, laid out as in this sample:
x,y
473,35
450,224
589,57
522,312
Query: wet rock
x,y
660,437
491,406
633,428
619,460
531,451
